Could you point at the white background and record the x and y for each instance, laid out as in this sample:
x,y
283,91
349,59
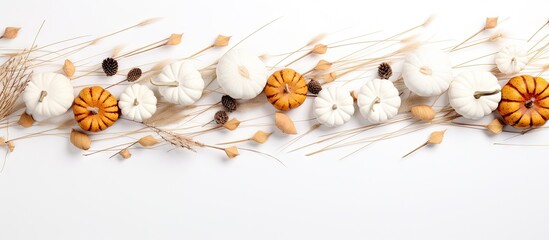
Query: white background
x,y
465,188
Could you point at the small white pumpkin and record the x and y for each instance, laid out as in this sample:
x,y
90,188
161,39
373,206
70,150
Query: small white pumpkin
x,y
474,94
378,100
241,74
427,72
48,95
137,102
333,106
511,59
180,83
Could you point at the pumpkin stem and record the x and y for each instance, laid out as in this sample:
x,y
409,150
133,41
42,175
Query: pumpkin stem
x,y
169,84
43,94
286,88
93,110
135,102
334,107
479,94
529,103
426,70
376,101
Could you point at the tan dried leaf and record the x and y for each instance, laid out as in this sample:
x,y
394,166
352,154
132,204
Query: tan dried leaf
x,y
423,112
231,151
11,146
25,120
330,77
495,126
232,124
221,41
125,153
147,141
174,39
491,22
320,49
68,68
436,137
260,136
10,32
80,140
323,65
284,123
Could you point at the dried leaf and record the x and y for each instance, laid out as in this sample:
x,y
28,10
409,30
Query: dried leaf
x,y
330,77
323,65
284,123
436,137
320,49
491,22
68,68
10,32
232,124
423,112
80,140
25,120
260,136
231,151
174,39
11,146
125,153
221,41
495,126
147,141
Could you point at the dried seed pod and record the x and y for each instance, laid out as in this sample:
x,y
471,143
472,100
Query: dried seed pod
x,y
285,123
80,140
260,136
25,120
134,74
423,112
314,86
495,126
68,68
147,141
229,103
384,71
10,32
221,117
232,124
231,151
125,154
110,66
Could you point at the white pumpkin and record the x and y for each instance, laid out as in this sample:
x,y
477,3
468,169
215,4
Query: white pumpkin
x,y
511,59
427,72
474,94
137,102
180,83
378,100
48,95
241,74
333,106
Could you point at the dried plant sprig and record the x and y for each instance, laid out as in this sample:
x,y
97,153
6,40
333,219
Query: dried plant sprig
x,y
259,137
435,138
10,32
491,22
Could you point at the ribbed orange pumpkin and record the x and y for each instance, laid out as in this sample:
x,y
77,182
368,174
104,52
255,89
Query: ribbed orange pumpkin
x,y
286,89
95,109
524,102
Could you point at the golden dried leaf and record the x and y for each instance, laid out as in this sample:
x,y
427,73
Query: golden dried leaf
x,y
232,124
491,22
323,65
231,151
330,77
436,137
320,49
147,141
10,32
125,153
25,120
80,140
68,68
495,126
423,112
221,41
11,146
174,39
261,137
284,123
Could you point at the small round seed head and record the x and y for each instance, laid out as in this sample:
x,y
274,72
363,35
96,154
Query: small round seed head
x,y
110,66
314,86
221,117
229,103
134,74
384,71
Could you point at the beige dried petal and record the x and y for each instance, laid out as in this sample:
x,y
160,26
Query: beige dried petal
x,y
174,39
231,151
495,126
330,77
436,137
147,141
423,112
80,140
232,124
68,68
25,120
261,137
125,153
284,123
10,32
11,146
323,65
222,41
491,22
320,49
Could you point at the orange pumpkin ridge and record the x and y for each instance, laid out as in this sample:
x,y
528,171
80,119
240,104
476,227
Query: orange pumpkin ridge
x,y
95,109
286,89
524,102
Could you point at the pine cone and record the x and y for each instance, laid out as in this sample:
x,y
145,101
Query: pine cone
x,y
384,71
110,66
229,103
221,117
314,86
134,74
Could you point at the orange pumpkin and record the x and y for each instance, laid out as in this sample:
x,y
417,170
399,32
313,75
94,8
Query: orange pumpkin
x,y
524,102
286,89
95,109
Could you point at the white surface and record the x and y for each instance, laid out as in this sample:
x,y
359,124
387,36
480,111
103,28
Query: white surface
x,y
466,188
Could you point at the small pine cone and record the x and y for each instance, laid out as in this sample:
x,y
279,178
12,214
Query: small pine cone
x,y
134,74
384,71
314,86
110,66
221,117
229,103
